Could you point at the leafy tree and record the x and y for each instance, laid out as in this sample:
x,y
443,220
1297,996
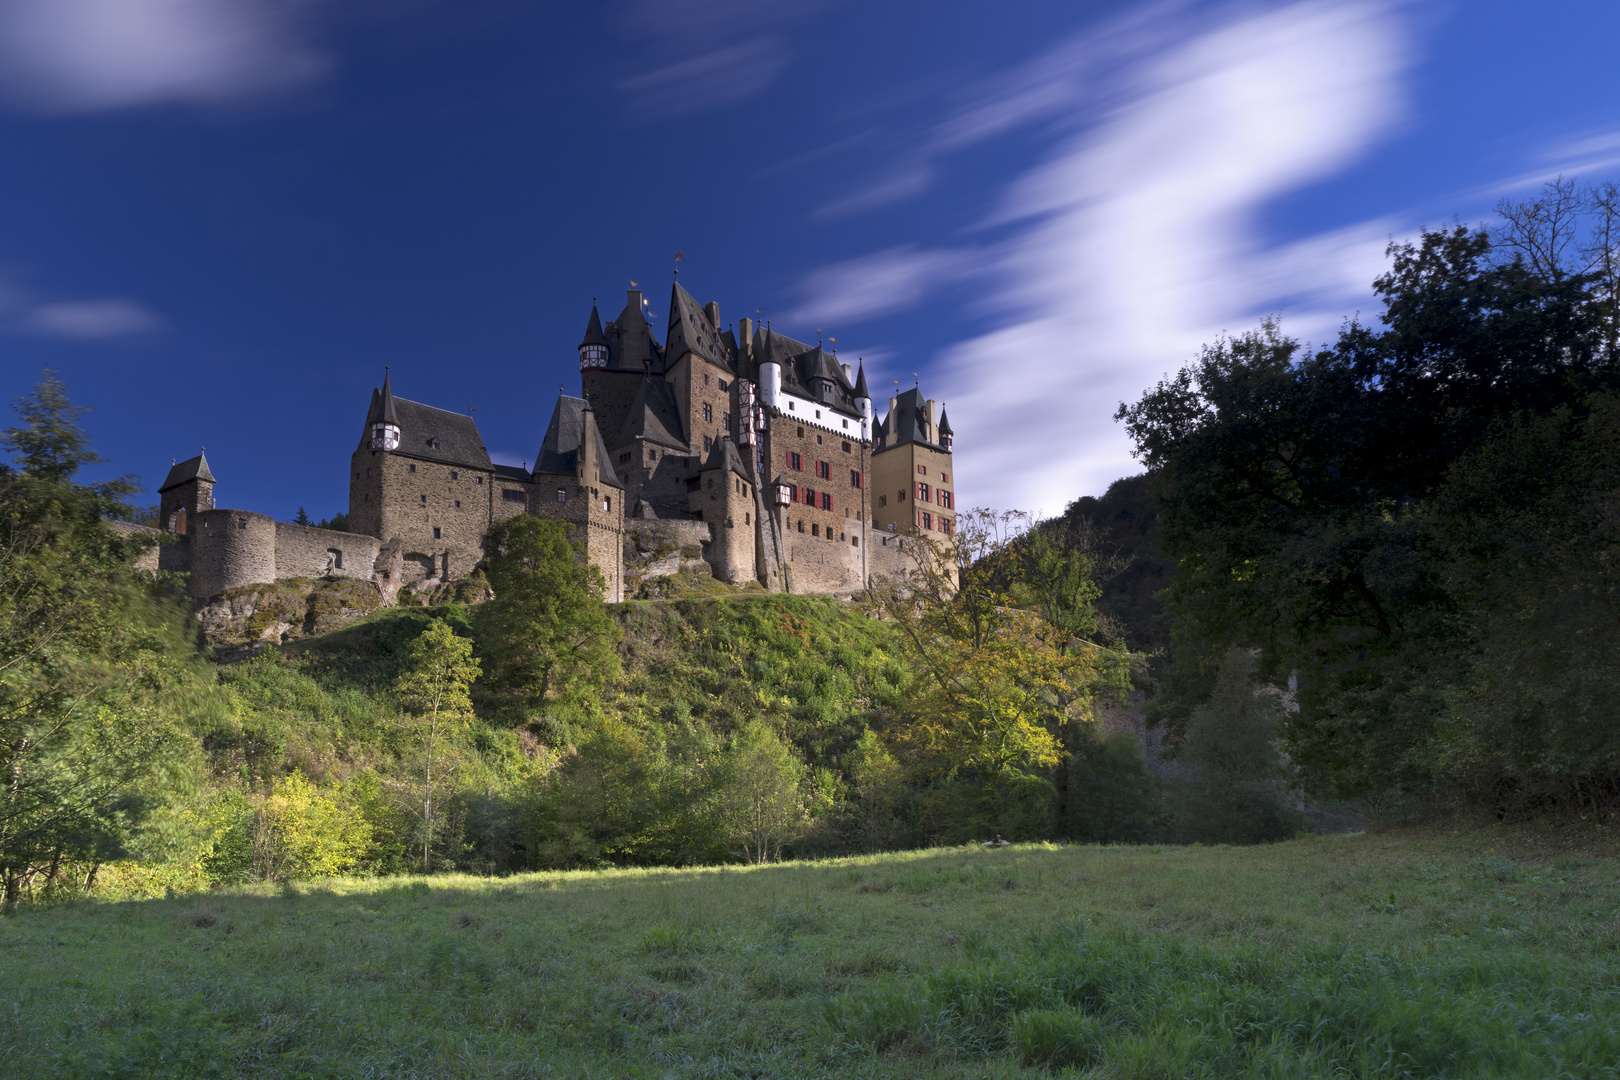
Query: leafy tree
x,y
876,780
98,672
302,831
546,627
434,689
762,794
1114,800
997,682
1293,488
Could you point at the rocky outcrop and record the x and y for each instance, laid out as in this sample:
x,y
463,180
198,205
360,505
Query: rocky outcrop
x,y
660,548
242,620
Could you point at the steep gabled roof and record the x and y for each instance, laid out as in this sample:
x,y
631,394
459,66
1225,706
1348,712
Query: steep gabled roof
x,y
559,451
431,434
904,424
191,469
725,456
860,382
655,415
689,330
631,346
945,423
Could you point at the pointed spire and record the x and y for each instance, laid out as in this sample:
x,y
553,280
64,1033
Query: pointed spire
x,y
389,415
860,381
945,423
593,330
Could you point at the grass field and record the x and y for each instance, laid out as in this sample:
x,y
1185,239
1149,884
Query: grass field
x,y
1443,951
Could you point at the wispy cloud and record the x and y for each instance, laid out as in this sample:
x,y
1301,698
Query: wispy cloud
x,y
703,53
874,285
91,319
93,55
1138,238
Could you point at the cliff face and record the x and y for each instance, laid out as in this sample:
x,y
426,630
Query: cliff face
x,y
242,620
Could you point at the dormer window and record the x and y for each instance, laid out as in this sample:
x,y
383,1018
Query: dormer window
x,y
433,444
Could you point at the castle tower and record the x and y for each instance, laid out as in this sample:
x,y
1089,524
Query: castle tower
x,y
593,350
187,491
863,402
610,380
913,482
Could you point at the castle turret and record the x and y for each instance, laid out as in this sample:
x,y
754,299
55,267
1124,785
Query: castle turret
x,y
770,371
863,398
385,428
945,431
593,350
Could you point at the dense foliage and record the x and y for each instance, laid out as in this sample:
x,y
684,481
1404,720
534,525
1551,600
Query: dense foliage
x,y
1415,522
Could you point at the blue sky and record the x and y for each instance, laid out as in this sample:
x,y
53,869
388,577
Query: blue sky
x,y
220,219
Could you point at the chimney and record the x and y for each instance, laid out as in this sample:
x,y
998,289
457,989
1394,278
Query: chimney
x,y
632,299
712,310
847,376
745,337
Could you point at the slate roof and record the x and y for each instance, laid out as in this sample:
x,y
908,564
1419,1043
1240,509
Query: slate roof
x,y
689,330
630,340
655,415
593,329
429,434
559,452
945,423
191,469
904,422
725,455
860,382
512,472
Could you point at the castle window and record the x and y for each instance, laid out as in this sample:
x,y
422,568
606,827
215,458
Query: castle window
x,y
818,437
725,420
562,495
745,519
927,519
846,423
815,530
708,442
883,500
944,477
922,491
809,496
515,495
846,446
413,468
818,414
705,377
458,504
945,499
708,412
478,479
945,525
824,470
902,495
826,500
801,433
607,505
922,470
795,462
454,475
790,405
854,478
424,500
433,444
624,458
436,532
855,541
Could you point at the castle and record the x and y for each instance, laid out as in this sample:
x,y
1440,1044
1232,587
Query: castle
x,y
759,450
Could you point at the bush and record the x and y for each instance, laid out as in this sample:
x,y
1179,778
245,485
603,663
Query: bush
x,y
301,831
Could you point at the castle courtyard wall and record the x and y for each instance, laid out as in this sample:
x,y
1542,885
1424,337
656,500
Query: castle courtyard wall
x,y
230,548
303,551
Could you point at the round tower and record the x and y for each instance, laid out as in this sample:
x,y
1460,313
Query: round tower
x,y
593,350
385,430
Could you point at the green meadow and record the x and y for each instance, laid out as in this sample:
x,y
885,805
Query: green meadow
x,y
1459,950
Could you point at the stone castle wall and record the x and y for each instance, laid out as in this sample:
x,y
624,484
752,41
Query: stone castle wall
x,y
231,548
306,552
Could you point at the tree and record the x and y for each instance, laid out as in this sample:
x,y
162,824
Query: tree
x,y
762,803
546,626
302,517
98,670
302,831
434,688
1295,488
998,682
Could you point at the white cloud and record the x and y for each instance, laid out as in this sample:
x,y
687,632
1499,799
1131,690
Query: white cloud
x,y
710,78
91,55
873,285
1138,239
91,319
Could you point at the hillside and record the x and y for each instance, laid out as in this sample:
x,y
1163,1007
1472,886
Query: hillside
x,y
1452,950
